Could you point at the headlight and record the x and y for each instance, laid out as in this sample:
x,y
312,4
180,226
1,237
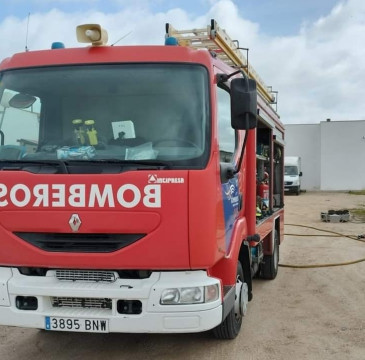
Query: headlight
x,y
170,296
192,295
189,295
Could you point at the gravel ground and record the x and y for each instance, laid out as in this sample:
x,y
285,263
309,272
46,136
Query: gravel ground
x,y
310,313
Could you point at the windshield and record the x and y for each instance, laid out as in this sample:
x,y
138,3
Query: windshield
x,y
91,113
291,170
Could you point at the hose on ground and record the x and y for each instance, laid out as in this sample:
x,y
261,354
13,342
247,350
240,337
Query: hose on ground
x,y
321,265
352,237
331,236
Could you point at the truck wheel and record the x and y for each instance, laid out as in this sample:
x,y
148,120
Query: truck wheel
x,y
298,191
231,325
270,264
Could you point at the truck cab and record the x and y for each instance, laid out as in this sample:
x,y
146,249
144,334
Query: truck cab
x,y
129,187
293,174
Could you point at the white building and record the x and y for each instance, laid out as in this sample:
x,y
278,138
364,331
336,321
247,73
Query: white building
x,y
332,152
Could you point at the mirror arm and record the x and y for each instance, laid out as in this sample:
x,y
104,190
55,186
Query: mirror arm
x,y
222,78
242,153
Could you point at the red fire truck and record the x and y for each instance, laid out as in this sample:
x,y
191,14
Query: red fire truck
x,y
141,187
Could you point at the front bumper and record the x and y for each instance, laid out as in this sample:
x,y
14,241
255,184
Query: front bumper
x,y
291,188
154,317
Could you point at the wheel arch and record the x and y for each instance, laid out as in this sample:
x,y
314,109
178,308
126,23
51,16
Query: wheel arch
x,y
268,240
226,268
245,259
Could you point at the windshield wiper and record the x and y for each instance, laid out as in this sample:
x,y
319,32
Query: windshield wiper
x,y
21,164
70,166
137,164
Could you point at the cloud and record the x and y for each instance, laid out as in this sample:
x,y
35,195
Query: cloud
x,y
318,72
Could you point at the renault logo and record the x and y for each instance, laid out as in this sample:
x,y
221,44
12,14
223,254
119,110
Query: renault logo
x,y
75,222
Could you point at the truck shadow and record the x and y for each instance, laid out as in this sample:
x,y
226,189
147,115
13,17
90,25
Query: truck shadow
x,y
59,345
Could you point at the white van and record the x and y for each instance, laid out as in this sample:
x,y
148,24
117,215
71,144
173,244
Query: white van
x,y
292,174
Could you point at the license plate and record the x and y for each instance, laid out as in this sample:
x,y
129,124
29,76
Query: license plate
x,y
76,324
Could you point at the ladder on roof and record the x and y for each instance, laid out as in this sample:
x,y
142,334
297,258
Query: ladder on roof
x,y
216,39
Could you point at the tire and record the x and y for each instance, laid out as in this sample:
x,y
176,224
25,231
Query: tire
x,y
270,264
298,191
231,325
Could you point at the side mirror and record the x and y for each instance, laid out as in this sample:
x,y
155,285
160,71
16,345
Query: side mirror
x,y
300,174
22,101
243,104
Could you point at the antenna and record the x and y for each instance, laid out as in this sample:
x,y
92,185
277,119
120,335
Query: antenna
x,y
26,36
124,36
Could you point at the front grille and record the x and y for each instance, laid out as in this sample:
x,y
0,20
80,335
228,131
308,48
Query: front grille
x,y
288,182
84,243
90,303
93,275
85,275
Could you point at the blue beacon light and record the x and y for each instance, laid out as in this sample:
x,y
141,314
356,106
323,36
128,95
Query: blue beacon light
x,y
58,45
172,41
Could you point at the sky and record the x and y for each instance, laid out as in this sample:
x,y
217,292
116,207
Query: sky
x,y
311,51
